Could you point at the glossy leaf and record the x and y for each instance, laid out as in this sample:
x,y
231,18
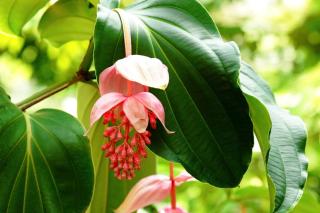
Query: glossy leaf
x,y
68,20
204,104
15,14
286,161
45,161
109,192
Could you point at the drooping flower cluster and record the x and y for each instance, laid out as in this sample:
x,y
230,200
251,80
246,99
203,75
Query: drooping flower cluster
x,y
127,108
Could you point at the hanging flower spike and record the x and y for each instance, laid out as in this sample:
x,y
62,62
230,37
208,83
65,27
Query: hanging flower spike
x,y
127,108
149,190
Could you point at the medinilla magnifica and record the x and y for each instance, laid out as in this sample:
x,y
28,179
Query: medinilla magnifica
x,y
127,108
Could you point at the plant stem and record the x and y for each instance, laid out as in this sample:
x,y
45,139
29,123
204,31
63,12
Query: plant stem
x,y
82,74
126,31
173,187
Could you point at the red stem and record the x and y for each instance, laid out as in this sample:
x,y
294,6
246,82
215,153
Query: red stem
x,y
129,87
173,187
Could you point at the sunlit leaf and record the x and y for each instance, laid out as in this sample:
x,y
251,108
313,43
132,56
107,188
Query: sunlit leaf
x,y
109,192
45,161
309,203
68,20
14,14
286,161
204,104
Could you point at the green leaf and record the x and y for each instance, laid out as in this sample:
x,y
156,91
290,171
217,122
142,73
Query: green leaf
x,y
204,104
309,203
109,192
286,161
45,161
68,20
15,14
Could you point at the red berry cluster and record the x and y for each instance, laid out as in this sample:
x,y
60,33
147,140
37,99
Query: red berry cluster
x,y
124,147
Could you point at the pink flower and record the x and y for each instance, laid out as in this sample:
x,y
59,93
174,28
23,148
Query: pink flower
x,y
150,190
128,108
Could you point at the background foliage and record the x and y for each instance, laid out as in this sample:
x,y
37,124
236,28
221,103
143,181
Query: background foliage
x,y
280,38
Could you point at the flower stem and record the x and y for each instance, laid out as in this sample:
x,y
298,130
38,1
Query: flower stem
x,y
82,74
126,31
173,187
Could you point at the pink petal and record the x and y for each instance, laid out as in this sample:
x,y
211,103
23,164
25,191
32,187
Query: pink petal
x,y
152,103
149,190
183,177
136,113
112,81
104,104
147,71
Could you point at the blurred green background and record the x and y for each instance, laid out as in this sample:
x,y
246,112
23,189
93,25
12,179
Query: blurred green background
x,y
280,38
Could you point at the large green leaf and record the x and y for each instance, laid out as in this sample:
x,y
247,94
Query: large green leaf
x,y
204,104
14,14
45,161
109,192
68,20
286,161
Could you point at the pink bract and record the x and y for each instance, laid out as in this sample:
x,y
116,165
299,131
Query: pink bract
x,y
149,190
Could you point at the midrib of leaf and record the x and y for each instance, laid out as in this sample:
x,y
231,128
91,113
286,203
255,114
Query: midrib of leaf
x,y
116,47
147,32
36,180
137,38
29,155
